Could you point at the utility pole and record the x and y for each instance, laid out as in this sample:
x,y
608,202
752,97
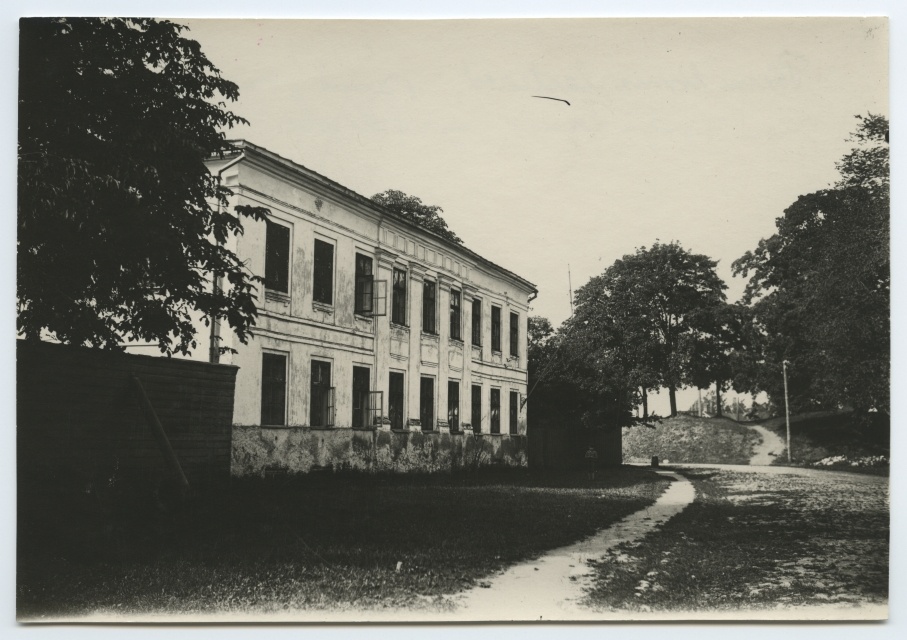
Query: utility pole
x,y
784,364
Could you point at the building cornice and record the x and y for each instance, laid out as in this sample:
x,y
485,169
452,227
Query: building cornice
x,y
275,164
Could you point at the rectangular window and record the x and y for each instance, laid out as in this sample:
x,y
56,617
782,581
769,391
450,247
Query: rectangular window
x,y
453,405
364,285
277,257
361,397
428,306
514,412
273,389
496,411
323,284
395,399
455,314
477,408
399,297
427,404
515,334
477,322
495,328
321,413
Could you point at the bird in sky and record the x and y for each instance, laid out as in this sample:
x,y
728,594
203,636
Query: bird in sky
x,y
550,98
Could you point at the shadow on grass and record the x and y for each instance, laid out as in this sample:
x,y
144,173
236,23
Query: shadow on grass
x,y
303,542
753,542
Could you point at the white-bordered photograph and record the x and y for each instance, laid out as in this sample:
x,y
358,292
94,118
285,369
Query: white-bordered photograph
x,y
475,320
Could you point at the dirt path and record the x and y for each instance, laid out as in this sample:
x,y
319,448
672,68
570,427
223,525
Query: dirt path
x,y
771,447
552,586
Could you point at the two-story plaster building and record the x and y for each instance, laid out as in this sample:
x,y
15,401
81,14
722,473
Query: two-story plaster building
x,y
379,344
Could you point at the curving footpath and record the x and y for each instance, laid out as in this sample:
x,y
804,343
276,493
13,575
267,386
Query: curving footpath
x,y
771,447
552,587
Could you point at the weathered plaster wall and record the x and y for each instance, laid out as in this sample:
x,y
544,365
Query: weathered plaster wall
x,y
302,449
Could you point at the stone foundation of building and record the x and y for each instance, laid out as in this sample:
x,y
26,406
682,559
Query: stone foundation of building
x,y
259,451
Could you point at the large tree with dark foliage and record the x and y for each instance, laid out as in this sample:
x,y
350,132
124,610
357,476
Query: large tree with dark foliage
x,y
643,314
819,287
412,209
121,227
570,387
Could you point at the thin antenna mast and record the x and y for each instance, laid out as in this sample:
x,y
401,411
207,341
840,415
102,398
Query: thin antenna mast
x,y
570,287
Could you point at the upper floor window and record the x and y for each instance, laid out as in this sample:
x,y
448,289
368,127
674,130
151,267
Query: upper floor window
x,y
398,313
455,314
477,322
364,284
429,302
277,257
323,281
515,334
495,328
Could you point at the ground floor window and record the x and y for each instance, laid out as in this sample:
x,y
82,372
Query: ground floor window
x,y
321,412
361,385
427,404
395,399
496,411
477,408
514,412
453,405
273,388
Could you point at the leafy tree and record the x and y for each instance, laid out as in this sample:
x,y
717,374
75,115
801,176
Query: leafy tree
x,y
411,208
568,389
820,286
714,348
645,311
120,224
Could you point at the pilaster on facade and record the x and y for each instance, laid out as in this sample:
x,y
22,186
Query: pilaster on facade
x,y
384,271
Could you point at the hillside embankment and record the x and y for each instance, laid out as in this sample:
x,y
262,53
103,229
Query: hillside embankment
x,y
686,438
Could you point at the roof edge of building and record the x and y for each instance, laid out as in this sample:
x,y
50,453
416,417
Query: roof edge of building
x,y
242,145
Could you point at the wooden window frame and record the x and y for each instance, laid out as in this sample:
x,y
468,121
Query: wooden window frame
x,y
278,241
323,273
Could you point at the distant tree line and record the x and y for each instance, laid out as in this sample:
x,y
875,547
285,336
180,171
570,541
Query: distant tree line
x,y
817,297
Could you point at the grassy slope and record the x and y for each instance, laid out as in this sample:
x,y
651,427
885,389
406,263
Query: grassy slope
x,y
820,435
307,542
687,438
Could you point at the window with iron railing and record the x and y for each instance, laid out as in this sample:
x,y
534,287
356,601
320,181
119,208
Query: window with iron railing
x,y
321,413
453,405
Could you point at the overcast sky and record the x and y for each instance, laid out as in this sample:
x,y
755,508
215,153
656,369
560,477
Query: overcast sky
x,y
695,130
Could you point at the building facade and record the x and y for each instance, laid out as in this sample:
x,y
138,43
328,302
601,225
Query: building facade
x,y
379,345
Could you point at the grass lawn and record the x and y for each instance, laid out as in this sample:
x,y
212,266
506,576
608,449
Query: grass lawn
x,y
755,541
306,542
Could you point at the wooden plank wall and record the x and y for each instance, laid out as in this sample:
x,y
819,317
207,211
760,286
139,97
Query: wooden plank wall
x,y
80,423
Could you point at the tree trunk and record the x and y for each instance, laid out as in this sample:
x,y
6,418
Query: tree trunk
x,y
718,400
645,404
672,394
